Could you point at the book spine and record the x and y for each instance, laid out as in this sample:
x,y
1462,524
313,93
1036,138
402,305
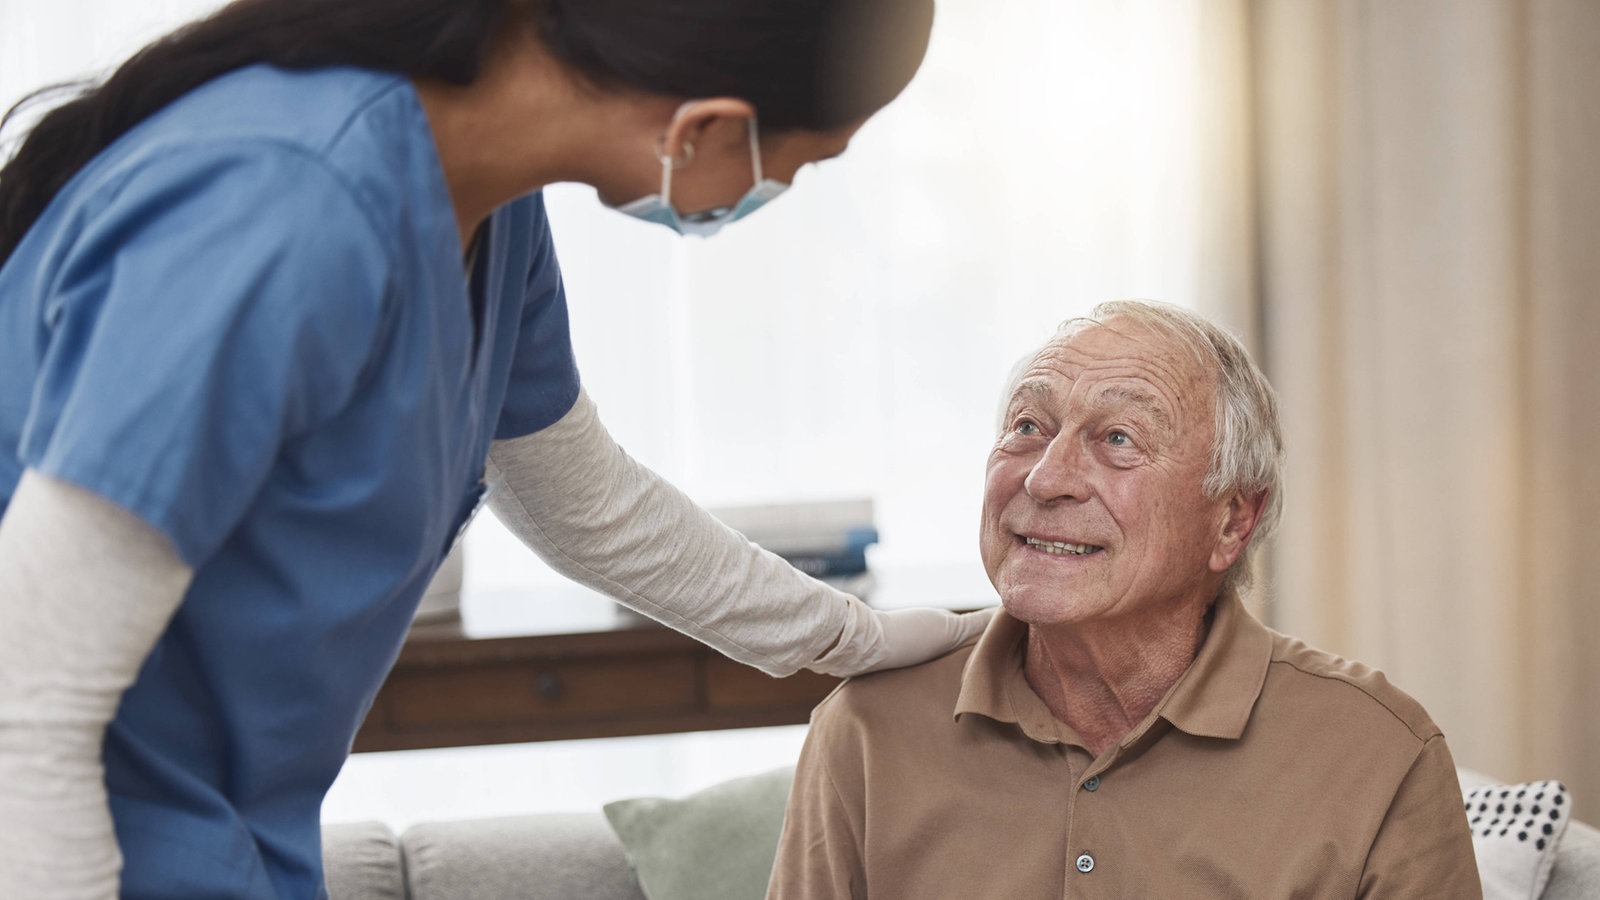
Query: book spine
x,y
823,565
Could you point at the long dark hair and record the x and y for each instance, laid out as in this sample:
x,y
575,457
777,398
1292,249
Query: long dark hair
x,y
815,64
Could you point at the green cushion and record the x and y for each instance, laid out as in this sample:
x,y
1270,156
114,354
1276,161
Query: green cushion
x,y
717,844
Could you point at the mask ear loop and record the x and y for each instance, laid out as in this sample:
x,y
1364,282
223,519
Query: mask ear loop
x,y
669,163
755,150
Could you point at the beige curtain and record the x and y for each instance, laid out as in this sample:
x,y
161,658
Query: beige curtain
x,y
1428,210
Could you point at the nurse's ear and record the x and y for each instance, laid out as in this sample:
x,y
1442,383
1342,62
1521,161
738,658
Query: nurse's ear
x,y
704,125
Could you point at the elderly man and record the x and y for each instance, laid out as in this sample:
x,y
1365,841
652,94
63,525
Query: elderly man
x,y
1125,728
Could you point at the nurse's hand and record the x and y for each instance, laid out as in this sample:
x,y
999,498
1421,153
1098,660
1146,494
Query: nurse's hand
x,y
878,639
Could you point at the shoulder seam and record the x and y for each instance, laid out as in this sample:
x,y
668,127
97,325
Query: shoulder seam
x,y
1437,736
1423,738
360,109
354,195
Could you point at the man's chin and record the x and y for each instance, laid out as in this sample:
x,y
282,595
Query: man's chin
x,y
1041,607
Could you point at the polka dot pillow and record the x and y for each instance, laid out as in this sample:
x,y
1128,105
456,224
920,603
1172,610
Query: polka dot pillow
x,y
1515,830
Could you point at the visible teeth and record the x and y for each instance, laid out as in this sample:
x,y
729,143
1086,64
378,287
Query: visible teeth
x,y
1061,547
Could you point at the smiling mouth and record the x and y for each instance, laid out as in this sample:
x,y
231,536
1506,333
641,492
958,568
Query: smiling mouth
x,y
1062,548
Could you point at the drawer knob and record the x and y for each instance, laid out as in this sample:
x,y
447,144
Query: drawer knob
x,y
549,686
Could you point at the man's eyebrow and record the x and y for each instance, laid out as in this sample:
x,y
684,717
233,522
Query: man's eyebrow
x,y
1147,402
1028,391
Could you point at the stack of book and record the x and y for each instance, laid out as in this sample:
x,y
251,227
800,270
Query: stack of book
x,y
825,539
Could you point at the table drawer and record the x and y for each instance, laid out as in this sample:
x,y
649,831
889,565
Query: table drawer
x,y
558,689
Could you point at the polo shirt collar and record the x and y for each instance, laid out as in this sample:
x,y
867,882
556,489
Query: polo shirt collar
x,y
1213,697
993,684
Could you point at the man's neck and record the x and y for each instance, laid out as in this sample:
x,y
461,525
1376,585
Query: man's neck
x,y
1104,679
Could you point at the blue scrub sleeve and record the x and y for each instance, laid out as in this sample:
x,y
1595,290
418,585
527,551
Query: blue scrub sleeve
x,y
544,374
209,305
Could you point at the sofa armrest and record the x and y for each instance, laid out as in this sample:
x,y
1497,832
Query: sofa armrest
x,y
361,861
554,856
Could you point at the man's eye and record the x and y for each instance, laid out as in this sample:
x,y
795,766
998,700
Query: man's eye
x,y
1026,428
1119,439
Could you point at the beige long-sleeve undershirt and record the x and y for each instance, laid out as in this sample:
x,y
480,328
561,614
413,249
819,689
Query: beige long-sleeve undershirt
x,y
86,588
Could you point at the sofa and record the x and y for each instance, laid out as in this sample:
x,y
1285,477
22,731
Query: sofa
x,y
579,856
551,856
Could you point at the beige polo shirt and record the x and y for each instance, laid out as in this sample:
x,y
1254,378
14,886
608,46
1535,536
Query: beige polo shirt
x,y
1269,770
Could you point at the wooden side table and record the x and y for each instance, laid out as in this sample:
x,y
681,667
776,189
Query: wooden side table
x,y
567,663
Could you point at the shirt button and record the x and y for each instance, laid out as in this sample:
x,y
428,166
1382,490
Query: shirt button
x,y
1086,863
1092,785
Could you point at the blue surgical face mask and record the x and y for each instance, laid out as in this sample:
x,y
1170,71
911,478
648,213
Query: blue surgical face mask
x,y
658,207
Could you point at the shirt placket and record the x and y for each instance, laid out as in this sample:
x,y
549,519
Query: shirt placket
x,y
1095,868
1081,859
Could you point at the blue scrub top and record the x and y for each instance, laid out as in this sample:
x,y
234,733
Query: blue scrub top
x,y
247,321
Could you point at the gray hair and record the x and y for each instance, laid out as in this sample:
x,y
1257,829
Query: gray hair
x,y
1247,452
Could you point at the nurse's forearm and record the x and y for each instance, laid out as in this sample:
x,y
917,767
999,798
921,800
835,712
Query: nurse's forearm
x,y
86,588
604,520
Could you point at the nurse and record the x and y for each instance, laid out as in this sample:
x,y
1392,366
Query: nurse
x,y
278,307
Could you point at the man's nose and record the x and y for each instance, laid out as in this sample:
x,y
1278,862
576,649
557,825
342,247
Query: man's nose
x,y
1061,471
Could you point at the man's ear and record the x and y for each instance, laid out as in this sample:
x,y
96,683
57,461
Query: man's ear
x,y
697,119
1242,515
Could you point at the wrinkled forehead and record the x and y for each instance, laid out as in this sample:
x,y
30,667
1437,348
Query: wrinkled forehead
x,y
1118,361
1132,335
